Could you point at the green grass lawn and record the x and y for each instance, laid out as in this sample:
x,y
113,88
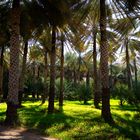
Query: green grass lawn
x,y
78,121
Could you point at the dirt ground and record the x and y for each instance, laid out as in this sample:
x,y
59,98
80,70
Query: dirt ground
x,y
20,134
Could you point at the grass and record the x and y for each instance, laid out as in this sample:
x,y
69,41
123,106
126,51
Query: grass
x,y
78,121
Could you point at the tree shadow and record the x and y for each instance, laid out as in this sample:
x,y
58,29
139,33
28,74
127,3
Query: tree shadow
x,y
129,128
38,119
124,108
79,124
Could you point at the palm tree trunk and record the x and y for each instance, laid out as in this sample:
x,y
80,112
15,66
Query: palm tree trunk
x,y
46,75
87,87
1,70
52,73
12,99
111,78
96,91
128,65
78,74
23,71
106,114
62,74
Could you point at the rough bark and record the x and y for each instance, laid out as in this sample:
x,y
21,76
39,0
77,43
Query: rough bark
x,y
12,99
11,114
128,65
23,71
95,74
62,74
106,114
78,74
1,70
52,73
45,94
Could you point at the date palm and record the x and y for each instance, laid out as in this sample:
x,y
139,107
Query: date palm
x,y
58,15
45,41
26,29
130,43
1,69
12,99
62,71
93,20
71,63
106,113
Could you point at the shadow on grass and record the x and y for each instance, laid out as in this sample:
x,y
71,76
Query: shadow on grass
x,y
129,128
124,108
79,125
34,117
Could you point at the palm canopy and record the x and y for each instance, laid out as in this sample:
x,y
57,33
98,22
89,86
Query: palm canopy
x,y
57,12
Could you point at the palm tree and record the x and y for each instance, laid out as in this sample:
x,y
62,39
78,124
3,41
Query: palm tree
x,y
26,29
104,46
23,71
1,69
58,15
106,114
78,42
45,41
12,99
71,64
52,72
93,20
95,75
35,64
62,72
130,43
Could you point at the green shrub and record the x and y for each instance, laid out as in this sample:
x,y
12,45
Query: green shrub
x,y
84,92
123,93
69,89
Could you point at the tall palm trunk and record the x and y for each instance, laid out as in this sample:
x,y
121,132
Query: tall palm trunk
x,y
34,78
52,73
106,114
96,91
62,74
78,74
23,71
128,65
12,99
46,75
37,78
111,78
87,87
1,70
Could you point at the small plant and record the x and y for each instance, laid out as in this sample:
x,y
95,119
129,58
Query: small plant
x,y
122,93
84,92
